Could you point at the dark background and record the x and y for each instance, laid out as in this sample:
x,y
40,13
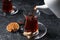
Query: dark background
x,y
32,2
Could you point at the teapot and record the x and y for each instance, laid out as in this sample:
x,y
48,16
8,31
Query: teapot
x,y
54,5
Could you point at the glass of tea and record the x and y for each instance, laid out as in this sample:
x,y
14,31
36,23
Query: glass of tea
x,y
7,8
31,27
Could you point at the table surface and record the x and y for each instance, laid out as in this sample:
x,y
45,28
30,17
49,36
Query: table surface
x,y
50,21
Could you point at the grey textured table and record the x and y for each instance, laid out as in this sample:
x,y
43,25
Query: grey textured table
x,y
50,21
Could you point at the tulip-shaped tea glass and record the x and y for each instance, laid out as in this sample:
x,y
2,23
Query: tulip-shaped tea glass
x,y
33,28
6,7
